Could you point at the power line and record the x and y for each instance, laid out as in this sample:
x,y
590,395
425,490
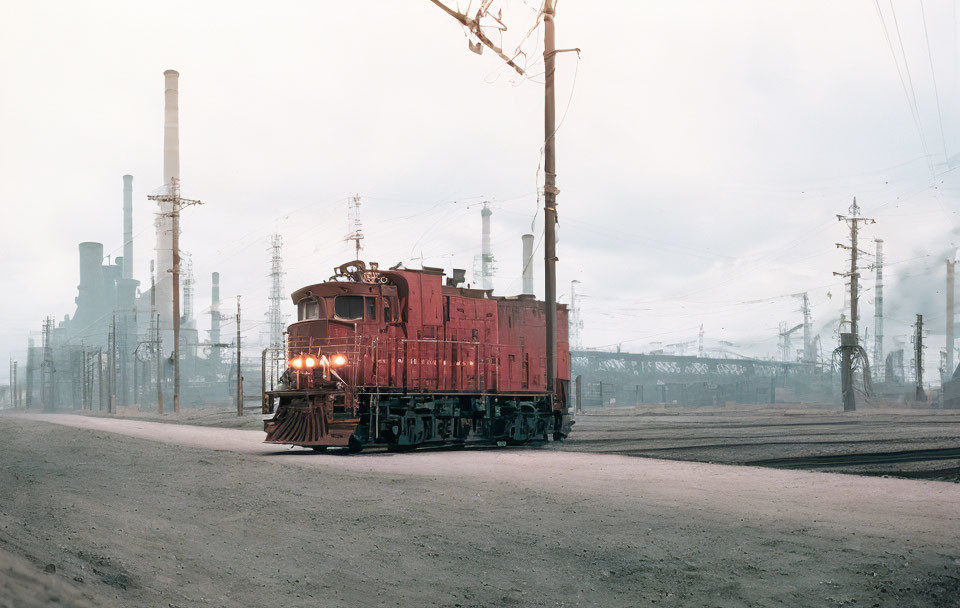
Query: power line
x,y
911,101
933,73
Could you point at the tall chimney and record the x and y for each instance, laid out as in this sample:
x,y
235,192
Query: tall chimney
x,y
950,312
171,126
171,171
879,367
527,264
215,315
127,226
486,254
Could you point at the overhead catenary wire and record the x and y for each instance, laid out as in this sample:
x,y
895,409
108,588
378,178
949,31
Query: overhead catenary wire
x,y
933,74
911,98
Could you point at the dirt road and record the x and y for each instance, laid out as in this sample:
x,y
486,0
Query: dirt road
x,y
151,514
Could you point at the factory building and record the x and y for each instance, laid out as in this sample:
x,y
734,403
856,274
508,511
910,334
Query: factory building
x,y
116,347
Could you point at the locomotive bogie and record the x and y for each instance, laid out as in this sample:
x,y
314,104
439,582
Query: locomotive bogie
x,y
408,421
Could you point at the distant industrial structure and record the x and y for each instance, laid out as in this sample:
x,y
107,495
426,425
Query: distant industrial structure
x,y
617,378
118,347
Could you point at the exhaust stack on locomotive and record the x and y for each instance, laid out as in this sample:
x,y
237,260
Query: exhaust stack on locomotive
x,y
397,358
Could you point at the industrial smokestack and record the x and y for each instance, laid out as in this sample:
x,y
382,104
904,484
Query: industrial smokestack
x,y
215,311
486,255
950,312
879,367
527,264
171,173
127,226
171,126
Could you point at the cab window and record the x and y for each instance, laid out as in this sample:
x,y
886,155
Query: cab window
x,y
387,311
349,308
371,309
308,309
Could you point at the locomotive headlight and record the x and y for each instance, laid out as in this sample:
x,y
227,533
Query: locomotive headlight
x,y
296,363
339,360
310,362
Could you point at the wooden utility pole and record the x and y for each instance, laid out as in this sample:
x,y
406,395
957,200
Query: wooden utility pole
x,y
112,372
177,203
849,340
83,377
158,352
239,374
950,314
16,386
550,190
550,194
100,377
918,357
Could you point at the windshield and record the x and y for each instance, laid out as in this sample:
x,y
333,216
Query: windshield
x,y
349,308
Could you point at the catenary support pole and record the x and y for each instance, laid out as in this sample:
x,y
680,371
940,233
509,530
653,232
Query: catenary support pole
x,y
176,308
950,313
239,374
159,356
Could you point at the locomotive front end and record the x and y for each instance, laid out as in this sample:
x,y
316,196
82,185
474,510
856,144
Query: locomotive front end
x,y
326,359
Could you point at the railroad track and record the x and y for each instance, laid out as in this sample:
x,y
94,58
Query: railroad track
x,y
839,460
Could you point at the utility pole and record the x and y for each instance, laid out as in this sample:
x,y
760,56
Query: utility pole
x,y
47,368
550,193
16,387
849,342
158,353
155,337
83,376
239,375
950,312
112,373
177,203
100,377
918,357
550,190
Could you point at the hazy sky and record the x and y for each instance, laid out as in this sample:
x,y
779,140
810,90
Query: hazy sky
x,y
704,151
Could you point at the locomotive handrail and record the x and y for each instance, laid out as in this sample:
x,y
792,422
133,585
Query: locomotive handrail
x,y
426,368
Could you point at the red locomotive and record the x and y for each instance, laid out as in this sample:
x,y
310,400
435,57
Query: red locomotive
x,y
397,358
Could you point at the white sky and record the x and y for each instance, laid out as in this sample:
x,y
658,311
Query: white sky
x,y
704,151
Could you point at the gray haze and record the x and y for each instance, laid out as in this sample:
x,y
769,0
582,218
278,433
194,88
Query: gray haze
x,y
703,153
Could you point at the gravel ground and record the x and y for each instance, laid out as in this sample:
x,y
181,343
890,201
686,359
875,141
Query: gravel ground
x,y
138,513
919,443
